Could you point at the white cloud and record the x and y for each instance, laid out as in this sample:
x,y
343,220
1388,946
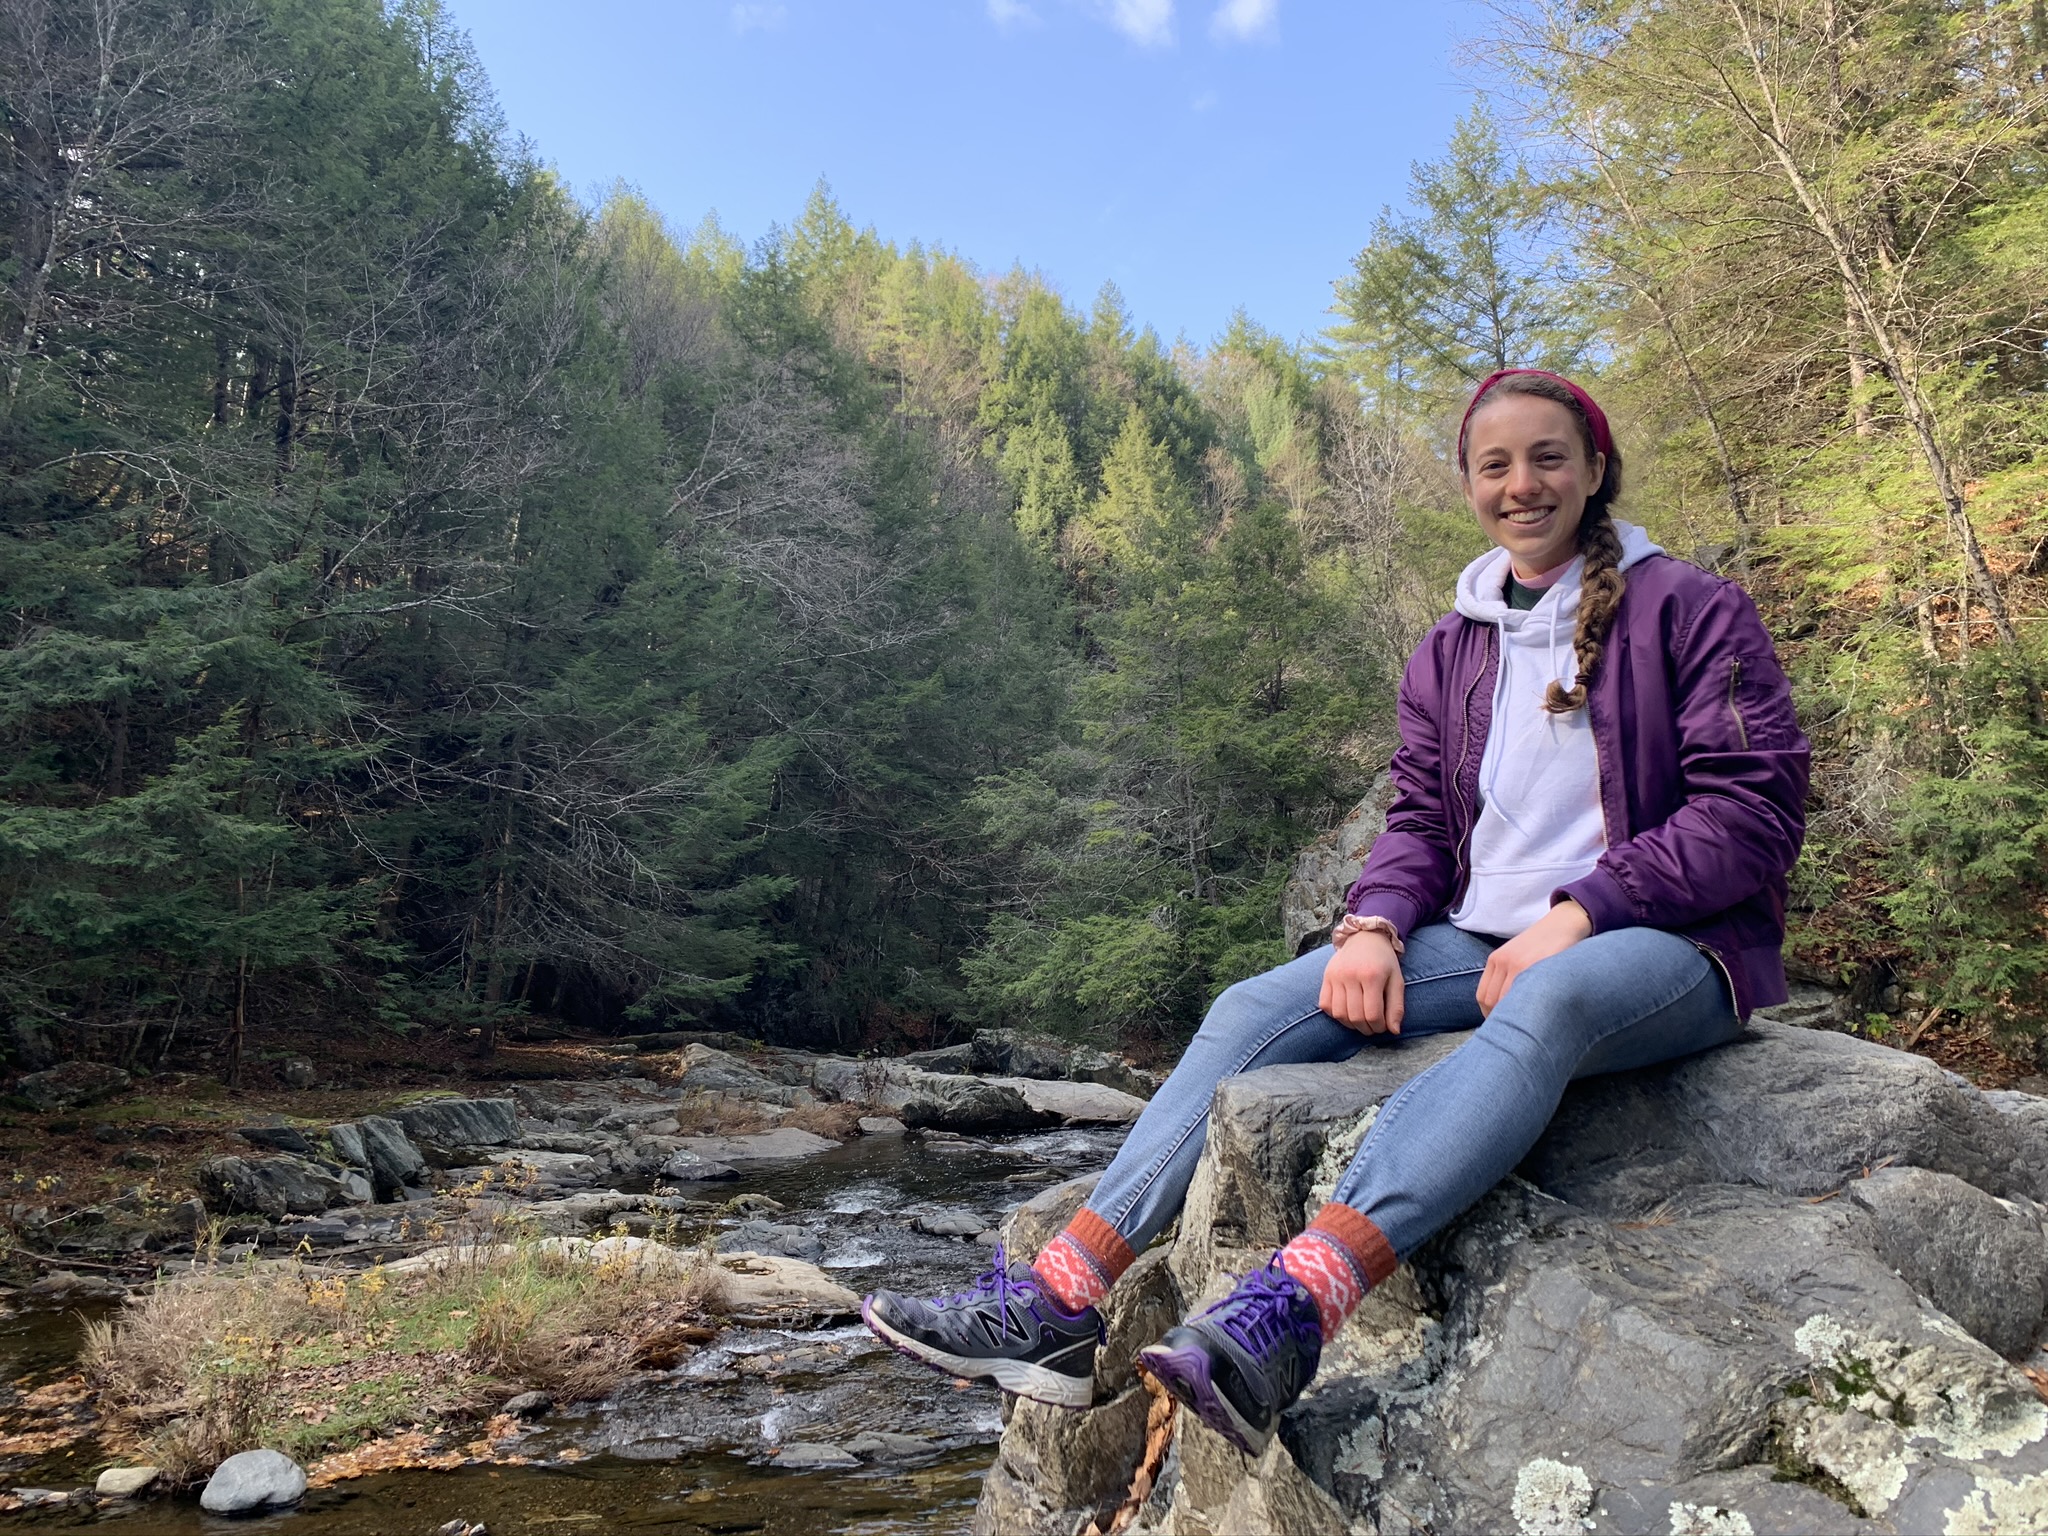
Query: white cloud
x,y
1204,102
1243,20
759,16
1148,23
1011,13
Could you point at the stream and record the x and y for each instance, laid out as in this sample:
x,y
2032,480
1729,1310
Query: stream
x,y
691,1450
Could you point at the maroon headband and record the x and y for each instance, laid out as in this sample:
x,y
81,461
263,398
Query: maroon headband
x,y
1603,435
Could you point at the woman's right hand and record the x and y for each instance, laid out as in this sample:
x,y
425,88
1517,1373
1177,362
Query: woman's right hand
x,y
1362,985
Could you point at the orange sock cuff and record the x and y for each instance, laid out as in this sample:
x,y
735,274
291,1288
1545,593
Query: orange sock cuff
x,y
1102,1243
1080,1265
1358,1237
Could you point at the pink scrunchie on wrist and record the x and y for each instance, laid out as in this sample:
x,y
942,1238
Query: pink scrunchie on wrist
x,y
1352,923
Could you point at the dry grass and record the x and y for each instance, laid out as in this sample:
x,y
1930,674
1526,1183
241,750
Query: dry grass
x,y
308,1360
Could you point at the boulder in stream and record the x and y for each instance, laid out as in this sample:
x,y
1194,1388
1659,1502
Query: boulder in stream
x,y
968,1105
1076,1103
760,1147
1766,1288
253,1480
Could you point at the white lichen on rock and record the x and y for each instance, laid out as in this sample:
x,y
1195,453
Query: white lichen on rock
x,y
1998,1507
1865,1455
1822,1340
1339,1147
1551,1498
1709,1520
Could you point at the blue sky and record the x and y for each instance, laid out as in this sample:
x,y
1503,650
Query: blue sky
x,y
1201,154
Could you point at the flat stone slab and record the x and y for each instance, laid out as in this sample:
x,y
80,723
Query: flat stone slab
x,y
1076,1103
799,1457
125,1482
761,1147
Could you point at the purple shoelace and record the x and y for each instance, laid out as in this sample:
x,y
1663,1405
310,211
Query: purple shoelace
x,y
1266,1307
995,1282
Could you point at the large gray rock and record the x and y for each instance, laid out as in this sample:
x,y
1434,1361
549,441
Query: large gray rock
x,y
253,1480
1763,1289
462,1122
393,1160
1314,897
1074,1103
774,1237
967,1105
709,1071
271,1186
1981,1260
774,1146
1016,1053
73,1085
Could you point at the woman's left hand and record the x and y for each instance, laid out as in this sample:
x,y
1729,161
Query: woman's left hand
x,y
1552,934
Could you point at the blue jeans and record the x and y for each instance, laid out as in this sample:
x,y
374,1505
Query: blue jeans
x,y
1623,999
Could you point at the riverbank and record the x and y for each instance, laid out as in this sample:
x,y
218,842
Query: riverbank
x,y
666,1250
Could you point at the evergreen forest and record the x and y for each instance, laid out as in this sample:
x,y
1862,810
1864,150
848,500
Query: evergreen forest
x,y
431,603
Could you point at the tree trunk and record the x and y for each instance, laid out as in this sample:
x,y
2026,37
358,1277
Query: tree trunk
x,y
1893,354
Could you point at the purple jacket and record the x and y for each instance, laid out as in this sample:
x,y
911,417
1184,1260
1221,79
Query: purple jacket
x,y
1703,774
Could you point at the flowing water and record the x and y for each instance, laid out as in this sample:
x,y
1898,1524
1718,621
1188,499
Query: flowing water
x,y
692,1451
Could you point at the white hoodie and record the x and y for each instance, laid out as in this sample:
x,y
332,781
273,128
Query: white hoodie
x,y
1539,823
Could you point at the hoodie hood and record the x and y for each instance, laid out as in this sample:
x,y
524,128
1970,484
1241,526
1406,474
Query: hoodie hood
x,y
1482,587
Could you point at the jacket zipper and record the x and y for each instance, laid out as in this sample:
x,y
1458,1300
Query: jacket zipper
x,y
1458,778
1734,682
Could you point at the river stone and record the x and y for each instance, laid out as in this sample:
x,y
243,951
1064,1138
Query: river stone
x,y
690,1167
781,1144
125,1482
1076,1103
705,1070
1981,1260
799,1457
1314,896
780,1238
767,1288
881,1125
270,1186
968,1105
1693,1312
881,1445
527,1405
951,1061
394,1161
252,1480
951,1221
72,1085
461,1122
1016,1053
563,1170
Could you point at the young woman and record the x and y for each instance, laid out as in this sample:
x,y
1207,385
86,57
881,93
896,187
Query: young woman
x,y
1601,785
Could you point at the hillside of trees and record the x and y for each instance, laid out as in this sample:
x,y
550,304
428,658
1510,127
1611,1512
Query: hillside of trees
x,y
431,603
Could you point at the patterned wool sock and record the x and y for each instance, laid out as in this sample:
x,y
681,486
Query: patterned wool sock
x,y
1080,1265
1339,1256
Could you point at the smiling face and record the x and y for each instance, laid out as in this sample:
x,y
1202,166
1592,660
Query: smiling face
x,y
1527,477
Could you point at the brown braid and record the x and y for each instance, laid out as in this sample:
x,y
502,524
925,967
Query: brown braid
x,y
1601,586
